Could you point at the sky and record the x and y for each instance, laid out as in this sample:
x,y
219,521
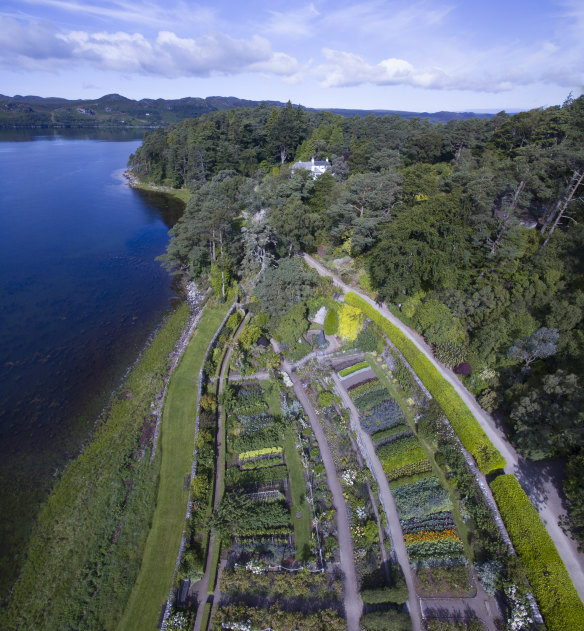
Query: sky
x,y
430,55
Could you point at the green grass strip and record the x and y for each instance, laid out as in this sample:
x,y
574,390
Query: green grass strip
x,y
466,426
298,491
176,442
354,368
552,586
205,616
90,520
214,567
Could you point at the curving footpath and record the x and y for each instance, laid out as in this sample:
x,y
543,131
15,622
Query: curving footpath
x,y
352,600
539,487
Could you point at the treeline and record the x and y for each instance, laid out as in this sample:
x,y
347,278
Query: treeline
x,y
472,230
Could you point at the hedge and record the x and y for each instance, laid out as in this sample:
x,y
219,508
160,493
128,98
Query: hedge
x,y
467,428
354,368
555,593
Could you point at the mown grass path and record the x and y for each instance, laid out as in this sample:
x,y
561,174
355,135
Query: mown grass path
x,y
177,434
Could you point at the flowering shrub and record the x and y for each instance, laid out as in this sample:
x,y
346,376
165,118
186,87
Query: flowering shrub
x,y
350,322
520,616
176,622
348,477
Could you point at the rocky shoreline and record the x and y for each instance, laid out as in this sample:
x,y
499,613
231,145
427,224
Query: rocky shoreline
x,y
196,300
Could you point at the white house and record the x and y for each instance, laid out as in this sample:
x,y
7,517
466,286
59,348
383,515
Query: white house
x,y
316,167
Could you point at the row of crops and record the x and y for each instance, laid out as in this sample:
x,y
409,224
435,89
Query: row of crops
x,y
277,546
434,546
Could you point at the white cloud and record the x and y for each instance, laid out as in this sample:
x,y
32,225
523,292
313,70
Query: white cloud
x,y
145,12
344,69
296,24
166,55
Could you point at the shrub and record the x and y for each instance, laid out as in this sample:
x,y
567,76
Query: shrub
x,y
354,368
463,422
331,322
366,340
350,322
391,620
555,593
325,399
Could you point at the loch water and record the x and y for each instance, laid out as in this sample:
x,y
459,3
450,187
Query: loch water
x,y
80,294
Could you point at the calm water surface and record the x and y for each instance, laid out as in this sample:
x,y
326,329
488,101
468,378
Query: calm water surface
x,y
80,293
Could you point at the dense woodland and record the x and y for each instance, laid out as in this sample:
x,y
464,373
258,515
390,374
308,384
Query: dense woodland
x,y
471,229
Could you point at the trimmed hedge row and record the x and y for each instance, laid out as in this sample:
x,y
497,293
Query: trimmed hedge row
x,y
555,593
354,368
463,422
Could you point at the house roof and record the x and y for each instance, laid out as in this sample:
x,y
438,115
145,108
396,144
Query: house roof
x,y
310,165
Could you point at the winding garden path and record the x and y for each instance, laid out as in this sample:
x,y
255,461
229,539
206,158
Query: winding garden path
x,y
353,604
534,479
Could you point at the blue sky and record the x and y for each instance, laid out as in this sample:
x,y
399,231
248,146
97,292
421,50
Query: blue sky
x,y
422,56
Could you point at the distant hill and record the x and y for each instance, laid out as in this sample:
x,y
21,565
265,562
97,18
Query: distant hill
x,y
114,110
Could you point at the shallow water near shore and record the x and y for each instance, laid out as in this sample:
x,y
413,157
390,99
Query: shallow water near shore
x,y
80,293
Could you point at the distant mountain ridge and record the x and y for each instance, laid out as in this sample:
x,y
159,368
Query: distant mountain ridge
x,y
115,110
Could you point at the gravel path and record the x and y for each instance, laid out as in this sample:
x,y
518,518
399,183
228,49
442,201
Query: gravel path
x,y
352,600
481,604
398,547
535,480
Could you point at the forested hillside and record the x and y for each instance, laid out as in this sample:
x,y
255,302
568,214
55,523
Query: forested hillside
x,y
114,110
472,230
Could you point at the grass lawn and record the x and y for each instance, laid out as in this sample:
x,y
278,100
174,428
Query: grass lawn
x,y
180,193
298,491
176,443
